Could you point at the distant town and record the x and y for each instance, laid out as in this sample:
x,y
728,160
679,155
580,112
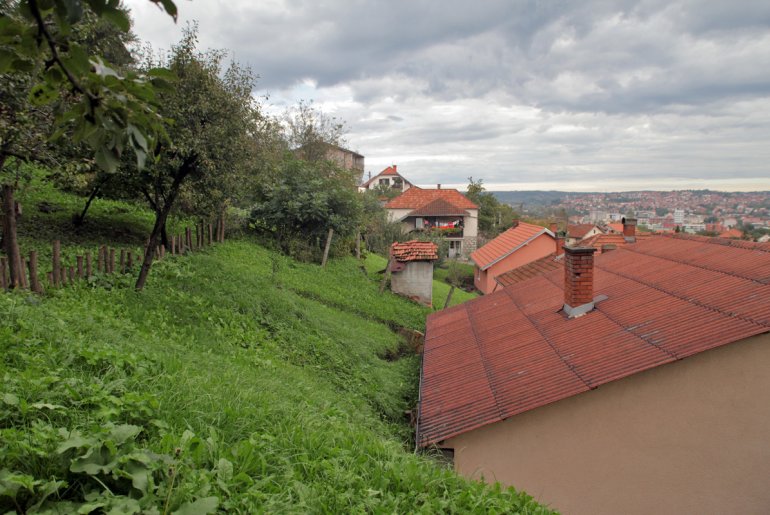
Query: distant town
x,y
691,211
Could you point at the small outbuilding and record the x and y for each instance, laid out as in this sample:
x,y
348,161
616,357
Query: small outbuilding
x,y
411,267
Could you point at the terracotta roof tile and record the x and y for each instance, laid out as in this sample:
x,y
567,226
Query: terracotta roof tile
x,y
579,230
415,197
414,251
439,207
530,270
668,297
505,244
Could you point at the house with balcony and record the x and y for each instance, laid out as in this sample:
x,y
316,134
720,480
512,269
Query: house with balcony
x,y
388,178
446,213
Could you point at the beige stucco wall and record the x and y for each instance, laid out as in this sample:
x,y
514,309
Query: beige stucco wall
x,y
688,437
395,215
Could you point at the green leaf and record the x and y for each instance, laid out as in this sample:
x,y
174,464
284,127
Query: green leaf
x,y
42,94
123,432
169,6
118,18
200,507
11,399
106,160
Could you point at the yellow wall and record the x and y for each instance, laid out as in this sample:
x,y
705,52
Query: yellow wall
x,y
692,436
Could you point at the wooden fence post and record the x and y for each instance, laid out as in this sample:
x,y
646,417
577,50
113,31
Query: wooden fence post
x,y
100,260
358,244
173,245
211,229
129,260
33,280
112,261
327,247
80,266
22,273
56,262
89,265
3,272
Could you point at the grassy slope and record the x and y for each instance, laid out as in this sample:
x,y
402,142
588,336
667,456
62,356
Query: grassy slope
x,y
238,379
374,263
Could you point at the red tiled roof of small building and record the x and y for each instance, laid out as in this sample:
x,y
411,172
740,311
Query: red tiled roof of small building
x,y
530,270
415,197
512,351
506,243
579,230
439,207
732,233
414,251
616,227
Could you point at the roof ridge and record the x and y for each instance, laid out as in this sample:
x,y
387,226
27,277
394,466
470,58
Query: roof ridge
x,y
547,340
636,249
686,299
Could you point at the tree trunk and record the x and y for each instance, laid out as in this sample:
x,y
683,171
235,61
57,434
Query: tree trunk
x,y
79,219
164,237
10,239
149,252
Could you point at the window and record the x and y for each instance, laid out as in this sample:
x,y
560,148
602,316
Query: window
x,y
419,222
385,181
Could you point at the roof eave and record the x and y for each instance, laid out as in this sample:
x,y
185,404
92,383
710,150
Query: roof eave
x,y
524,243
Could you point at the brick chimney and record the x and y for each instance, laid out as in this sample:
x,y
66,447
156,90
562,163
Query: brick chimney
x,y
438,186
395,168
629,229
578,280
515,223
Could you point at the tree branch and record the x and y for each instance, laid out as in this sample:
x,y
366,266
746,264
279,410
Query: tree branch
x,y
55,52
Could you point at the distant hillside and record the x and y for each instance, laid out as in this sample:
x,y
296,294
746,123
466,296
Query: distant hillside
x,y
535,197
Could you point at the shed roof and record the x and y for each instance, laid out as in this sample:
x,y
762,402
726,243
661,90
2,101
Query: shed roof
x,y
668,297
506,244
414,250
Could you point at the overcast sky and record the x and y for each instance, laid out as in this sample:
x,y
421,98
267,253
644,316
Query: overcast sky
x,y
582,96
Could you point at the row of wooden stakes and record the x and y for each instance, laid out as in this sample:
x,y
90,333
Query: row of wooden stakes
x,y
62,275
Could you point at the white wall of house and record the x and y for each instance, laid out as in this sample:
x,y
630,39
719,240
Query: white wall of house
x,y
415,281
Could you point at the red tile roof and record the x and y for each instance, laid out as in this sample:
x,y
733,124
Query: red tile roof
x,y
505,244
530,270
414,251
732,233
439,207
616,227
579,230
668,297
600,240
415,197
391,170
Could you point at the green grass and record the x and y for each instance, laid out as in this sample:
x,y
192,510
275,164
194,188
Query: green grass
x,y
238,381
375,263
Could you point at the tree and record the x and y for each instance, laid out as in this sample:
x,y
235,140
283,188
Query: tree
x,y
305,202
48,75
212,117
310,132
